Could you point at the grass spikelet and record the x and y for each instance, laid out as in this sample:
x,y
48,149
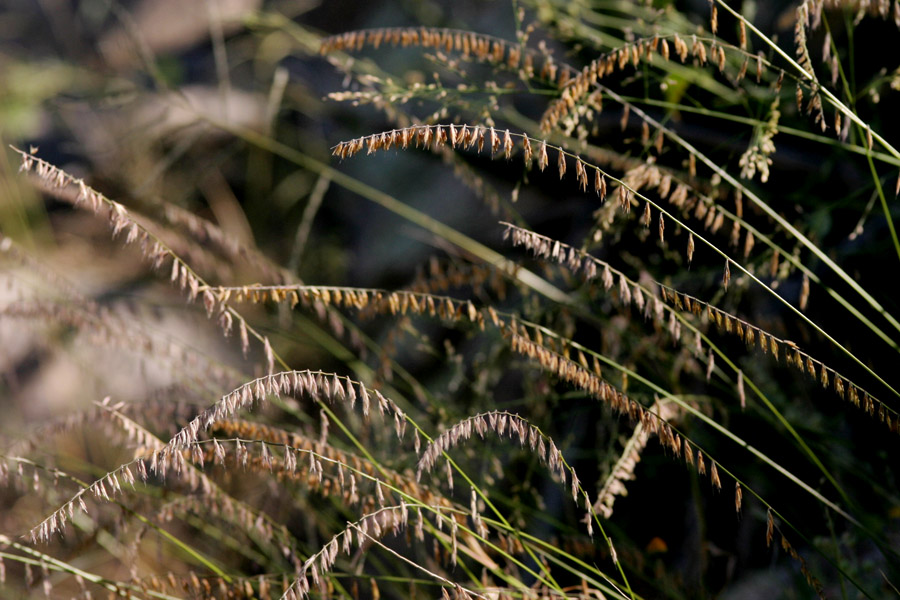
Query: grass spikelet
x,y
726,277
804,292
581,174
600,184
507,145
625,199
714,475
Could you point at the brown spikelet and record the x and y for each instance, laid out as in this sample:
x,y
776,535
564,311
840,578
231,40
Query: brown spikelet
x,y
770,528
626,197
735,233
581,174
810,367
743,72
542,155
714,19
681,48
804,292
743,34
600,184
715,220
698,50
763,342
561,162
690,248
495,141
645,218
701,464
714,475
662,229
839,385
749,242
726,277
